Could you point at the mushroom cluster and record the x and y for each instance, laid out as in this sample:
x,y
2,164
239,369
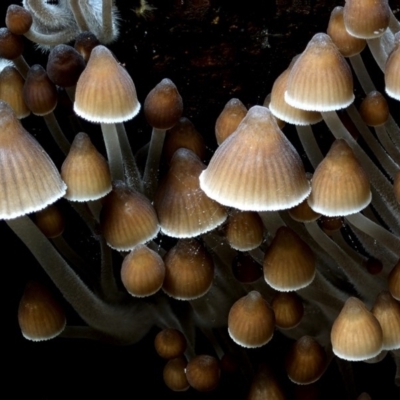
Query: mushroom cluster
x,y
263,242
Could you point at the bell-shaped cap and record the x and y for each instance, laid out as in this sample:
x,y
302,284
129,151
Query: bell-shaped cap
x,y
256,168
28,177
320,79
105,92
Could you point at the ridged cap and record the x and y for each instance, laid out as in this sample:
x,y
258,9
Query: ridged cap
x,y
256,168
29,179
105,92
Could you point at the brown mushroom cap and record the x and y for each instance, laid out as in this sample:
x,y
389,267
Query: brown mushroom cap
x,y
142,272
29,179
356,334
40,316
347,44
203,373
127,218
183,209
320,79
174,374
251,322
306,361
189,270
256,168
367,19
289,263
339,186
163,106
85,171
105,92
170,343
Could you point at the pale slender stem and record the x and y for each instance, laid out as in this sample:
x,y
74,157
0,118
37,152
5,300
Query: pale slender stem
x,y
57,133
388,164
113,149
114,321
21,65
78,15
363,282
71,92
150,176
107,280
107,20
387,143
272,221
394,24
49,39
362,74
131,169
391,210
69,253
390,241
309,144
394,131
378,52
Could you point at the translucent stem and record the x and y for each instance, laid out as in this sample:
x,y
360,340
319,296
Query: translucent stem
x,y
114,321
57,133
309,144
131,169
150,176
113,149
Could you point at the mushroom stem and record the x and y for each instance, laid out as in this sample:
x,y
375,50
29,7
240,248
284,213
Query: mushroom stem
x,y
309,144
131,169
150,175
113,149
78,15
115,321
390,213
57,133
390,241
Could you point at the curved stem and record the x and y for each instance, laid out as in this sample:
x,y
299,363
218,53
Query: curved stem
x,y
118,322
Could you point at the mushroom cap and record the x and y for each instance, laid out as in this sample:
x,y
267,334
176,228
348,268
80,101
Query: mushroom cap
x,y
256,168
127,218
183,209
356,334
105,92
142,272
170,343
85,171
163,106
285,112
40,316
392,72
306,361
366,19
229,119
320,79
289,263
339,186
347,44
174,374
203,373
251,322
28,177
189,270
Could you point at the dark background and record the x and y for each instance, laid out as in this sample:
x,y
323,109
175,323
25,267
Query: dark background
x,y
213,50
